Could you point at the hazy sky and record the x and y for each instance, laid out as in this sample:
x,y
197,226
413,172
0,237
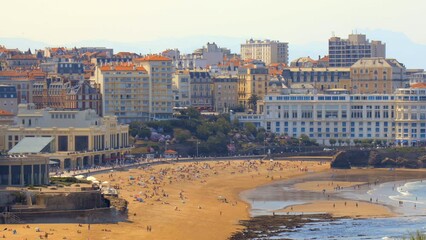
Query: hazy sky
x,y
60,21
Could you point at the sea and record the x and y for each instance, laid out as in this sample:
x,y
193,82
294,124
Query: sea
x,y
406,198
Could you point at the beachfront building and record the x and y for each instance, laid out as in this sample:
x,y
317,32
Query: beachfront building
x,y
398,118
345,52
267,51
79,138
24,170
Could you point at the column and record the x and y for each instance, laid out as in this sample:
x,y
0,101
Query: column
x,y
9,180
21,181
62,164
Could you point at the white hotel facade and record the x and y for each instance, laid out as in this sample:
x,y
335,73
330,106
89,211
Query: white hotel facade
x,y
398,118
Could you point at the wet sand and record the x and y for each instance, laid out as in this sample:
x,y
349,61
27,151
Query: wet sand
x,y
342,208
327,193
181,201
320,186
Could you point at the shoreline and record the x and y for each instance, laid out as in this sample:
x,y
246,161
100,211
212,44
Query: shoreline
x,y
311,194
180,200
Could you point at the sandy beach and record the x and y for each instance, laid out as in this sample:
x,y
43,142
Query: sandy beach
x,y
181,201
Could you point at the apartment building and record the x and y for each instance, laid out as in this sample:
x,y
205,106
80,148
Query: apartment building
x,y
23,81
320,78
419,77
126,91
201,89
60,93
225,93
160,71
182,88
8,99
267,51
68,70
378,75
252,80
345,52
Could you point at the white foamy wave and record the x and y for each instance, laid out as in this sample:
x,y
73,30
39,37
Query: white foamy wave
x,y
403,191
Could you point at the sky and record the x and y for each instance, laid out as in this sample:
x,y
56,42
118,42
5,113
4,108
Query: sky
x,y
59,22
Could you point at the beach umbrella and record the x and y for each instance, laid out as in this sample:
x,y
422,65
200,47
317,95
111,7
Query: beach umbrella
x,y
79,176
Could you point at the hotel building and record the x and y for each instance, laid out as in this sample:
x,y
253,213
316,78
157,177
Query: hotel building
x,y
398,118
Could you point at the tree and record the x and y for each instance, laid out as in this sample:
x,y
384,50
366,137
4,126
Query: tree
x,y
250,128
181,135
340,141
332,141
252,101
204,130
193,113
138,128
348,142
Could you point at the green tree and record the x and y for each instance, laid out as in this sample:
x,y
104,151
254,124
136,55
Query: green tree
x,y
250,128
204,131
181,135
332,141
193,113
222,125
348,142
340,141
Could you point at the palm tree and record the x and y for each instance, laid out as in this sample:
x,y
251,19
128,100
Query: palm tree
x,y
252,101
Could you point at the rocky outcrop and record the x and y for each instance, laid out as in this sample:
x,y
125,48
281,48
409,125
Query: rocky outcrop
x,y
381,158
352,158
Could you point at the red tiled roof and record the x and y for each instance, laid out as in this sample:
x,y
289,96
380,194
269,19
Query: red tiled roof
x,y
419,85
29,57
5,113
152,58
325,59
123,67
